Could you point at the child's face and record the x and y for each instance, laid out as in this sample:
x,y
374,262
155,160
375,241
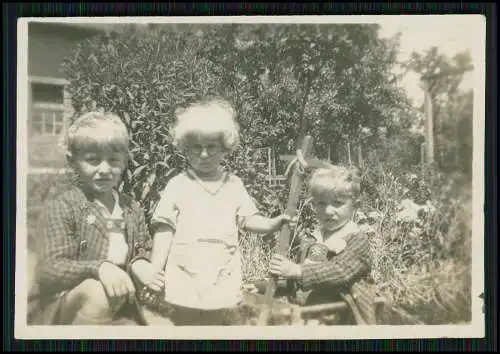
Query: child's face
x,y
99,170
205,153
333,211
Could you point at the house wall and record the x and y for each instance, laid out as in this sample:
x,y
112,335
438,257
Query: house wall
x,y
48,46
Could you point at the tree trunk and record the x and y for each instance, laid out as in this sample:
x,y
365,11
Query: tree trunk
x,y
303,119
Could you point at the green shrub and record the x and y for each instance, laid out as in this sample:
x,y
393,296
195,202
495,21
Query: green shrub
x,y
284,75
279,78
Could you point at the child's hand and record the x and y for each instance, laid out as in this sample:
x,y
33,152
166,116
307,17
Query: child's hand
x,y
158,282
150,294
291,220
281,266
284,218
117,284
146,273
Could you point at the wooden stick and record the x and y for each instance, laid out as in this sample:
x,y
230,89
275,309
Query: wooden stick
x,y
341,305
284,240
354,309
311,162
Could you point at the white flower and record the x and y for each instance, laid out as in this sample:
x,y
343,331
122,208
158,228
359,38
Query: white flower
x,y
408,211
366,131
91,219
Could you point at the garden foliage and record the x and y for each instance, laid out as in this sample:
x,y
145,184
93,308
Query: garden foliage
x,y
333,82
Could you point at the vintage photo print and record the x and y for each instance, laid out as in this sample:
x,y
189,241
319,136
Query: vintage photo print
x,y
252,177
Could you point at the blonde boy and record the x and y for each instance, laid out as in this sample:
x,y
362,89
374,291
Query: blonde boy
x,y
335,257
92,239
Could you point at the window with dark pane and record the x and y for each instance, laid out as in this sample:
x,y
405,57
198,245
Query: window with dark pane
x,y
48,108
47,93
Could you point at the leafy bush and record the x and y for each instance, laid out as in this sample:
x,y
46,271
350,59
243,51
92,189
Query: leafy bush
x,y
285,81
278,77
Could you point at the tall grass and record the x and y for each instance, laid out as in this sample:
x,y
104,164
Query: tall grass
x,y
421,257
255,254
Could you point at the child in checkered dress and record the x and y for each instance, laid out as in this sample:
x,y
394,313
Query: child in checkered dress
x,y
335,258
92,240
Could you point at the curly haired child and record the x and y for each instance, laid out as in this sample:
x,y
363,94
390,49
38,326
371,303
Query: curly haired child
x,y
198,218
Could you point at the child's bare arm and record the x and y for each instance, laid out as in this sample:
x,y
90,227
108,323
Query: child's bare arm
x,y
261,224
148,262
151,273
162,242
164,224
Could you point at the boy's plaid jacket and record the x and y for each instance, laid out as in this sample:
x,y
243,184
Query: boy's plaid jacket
x,y
338,274
72,241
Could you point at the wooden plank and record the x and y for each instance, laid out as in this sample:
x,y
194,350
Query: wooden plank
x,y
284,239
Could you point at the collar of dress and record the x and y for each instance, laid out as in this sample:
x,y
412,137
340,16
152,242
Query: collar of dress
x,y
211,187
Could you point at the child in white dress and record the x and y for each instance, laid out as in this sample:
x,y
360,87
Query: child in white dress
x,y
198,218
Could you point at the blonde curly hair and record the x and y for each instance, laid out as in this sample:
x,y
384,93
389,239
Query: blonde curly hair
x,y
211,116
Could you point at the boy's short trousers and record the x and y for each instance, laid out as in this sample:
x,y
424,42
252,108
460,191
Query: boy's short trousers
x,y
50,314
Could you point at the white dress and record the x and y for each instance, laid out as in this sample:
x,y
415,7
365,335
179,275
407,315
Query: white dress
x,y
203,269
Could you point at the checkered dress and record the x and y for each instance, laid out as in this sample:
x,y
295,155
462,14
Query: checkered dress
x,y
337,275
72,242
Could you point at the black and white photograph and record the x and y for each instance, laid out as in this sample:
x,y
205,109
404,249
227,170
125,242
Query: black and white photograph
x,y
250,177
